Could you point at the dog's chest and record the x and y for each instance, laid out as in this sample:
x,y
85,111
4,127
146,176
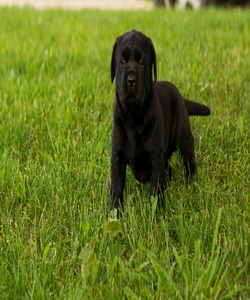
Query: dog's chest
x,y
134,144
138,155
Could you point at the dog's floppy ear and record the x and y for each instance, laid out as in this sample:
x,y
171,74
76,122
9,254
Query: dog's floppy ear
x,y
153,58
113,63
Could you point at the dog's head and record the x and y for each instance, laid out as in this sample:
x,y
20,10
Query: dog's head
x,y
133,60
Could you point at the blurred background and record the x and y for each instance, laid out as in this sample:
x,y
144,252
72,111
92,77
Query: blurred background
x,y
124,4
200,3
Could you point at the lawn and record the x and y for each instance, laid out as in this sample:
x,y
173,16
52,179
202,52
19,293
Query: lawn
x,y
56,101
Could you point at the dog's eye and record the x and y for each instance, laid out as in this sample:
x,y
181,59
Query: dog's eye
x,y
123,61
141,61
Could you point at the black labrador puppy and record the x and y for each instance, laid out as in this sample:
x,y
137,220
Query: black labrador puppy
x,y
151,119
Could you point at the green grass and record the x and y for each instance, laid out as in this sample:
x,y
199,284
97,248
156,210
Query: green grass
x,y
56,103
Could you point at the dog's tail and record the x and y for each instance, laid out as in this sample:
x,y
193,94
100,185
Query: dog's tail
x,y
196,109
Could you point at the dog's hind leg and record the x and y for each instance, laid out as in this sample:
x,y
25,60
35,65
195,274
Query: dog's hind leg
x,y
168,170
187,151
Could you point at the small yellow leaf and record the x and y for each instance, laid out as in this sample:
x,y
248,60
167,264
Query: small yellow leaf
x,y
88,260
114,227
86,255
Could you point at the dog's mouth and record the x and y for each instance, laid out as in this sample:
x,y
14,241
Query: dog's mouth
x,y
132,98
131,101
131,89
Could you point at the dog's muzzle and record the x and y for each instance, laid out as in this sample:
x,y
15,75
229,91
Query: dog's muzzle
x,y
131,81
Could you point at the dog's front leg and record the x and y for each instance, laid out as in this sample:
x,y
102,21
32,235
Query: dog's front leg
x,y
158,180
118,175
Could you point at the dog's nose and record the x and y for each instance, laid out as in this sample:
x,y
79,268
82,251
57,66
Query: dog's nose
x,y
131,80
